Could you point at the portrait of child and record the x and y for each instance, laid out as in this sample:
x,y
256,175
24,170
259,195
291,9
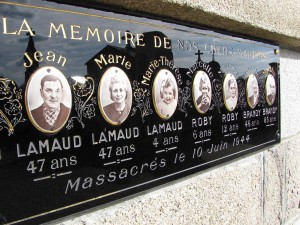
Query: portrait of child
x,y
165,94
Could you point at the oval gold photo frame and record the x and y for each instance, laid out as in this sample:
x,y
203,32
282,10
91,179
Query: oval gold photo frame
x,y
111,107
229,101
201,78
250,86
165,107
270,89
36,102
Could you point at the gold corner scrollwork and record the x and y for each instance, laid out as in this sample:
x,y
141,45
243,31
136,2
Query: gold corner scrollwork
x,y
10,106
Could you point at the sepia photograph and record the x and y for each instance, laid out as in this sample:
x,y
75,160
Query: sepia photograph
x,y
48,99
230,92
270,89
165,94
201,92
252,91
115,96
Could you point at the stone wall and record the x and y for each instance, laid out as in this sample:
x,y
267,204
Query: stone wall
x,y
263,188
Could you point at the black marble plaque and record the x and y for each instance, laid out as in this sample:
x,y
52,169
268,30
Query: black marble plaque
x,y
96,106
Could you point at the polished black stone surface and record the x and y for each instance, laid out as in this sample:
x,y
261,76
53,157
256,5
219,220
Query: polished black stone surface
x,y
182,104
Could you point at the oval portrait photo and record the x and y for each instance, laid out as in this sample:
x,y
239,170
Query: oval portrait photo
x,y
252,91
201,92
48,99
165,94
115,96
270,89
230,92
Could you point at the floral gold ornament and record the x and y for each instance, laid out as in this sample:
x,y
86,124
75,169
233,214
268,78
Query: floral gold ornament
x,y
142,99
84,103
10,106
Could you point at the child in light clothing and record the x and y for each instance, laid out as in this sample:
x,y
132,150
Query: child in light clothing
x,y
168,104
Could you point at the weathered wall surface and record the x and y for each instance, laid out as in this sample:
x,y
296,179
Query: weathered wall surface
x,y
263,188
275,20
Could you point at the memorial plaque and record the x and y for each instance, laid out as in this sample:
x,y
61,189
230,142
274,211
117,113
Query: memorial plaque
x,y
96,106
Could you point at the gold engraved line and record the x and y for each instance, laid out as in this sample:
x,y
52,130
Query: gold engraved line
x,y
62,174
41,178
197,142
11,127
272,124
254,128
159,151
123,160
85,14
109,163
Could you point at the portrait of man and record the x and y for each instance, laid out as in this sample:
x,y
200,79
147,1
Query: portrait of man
x,y
270,89
165,94
115,96
202,92
230,92
48,99
252,91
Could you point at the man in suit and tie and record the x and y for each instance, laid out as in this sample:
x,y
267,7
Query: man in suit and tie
x,y
52,114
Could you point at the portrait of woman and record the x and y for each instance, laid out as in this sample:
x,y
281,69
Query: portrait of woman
x,y
230,92
165,95
48,99
270,89
115,96
252,91
201,92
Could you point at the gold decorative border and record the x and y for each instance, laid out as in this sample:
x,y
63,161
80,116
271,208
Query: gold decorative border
x,y
133,22
84,14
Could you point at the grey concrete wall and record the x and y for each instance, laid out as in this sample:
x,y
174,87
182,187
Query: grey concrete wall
x,y
260,189
263,188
